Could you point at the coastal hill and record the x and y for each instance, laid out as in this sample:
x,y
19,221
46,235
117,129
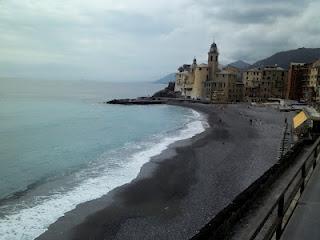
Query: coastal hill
x,y
240,64
166,79
283,59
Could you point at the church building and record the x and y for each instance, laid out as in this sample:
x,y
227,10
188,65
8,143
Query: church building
x,y
208,81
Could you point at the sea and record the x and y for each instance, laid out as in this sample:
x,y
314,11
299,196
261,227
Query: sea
x,y
60,145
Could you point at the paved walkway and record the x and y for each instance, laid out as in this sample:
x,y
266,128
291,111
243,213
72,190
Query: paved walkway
x,y
305,221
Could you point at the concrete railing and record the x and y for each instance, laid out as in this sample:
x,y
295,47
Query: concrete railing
x,y
273,223
274,219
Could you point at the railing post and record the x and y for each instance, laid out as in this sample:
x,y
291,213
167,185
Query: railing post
x,y
280,216
315,157
303,175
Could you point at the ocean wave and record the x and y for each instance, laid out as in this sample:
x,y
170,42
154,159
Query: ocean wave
x,y
28,221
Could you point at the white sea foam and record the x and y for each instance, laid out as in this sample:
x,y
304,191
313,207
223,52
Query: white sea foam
x,y
30,221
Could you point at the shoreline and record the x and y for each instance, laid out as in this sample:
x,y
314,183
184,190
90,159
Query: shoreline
x,y
43,211
145,171
170,191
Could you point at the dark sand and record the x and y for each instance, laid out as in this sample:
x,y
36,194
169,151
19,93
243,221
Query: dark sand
x,y
179,191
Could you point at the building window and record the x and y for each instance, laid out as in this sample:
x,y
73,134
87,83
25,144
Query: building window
x,y
216,58
211,58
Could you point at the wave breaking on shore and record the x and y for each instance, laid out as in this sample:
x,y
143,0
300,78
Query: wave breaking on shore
x,y
30,219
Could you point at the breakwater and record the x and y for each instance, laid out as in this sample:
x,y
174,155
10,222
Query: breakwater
x,y
153,100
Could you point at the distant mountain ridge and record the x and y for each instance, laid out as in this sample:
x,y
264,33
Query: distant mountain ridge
x,y
166,79
283,59
240,64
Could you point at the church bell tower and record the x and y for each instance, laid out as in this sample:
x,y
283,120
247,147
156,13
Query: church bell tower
x,y
213,61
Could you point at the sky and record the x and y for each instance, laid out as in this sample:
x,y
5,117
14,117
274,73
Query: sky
x,y
143,40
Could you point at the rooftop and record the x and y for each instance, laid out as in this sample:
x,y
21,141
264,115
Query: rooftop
x,y
226,72
316,63
202,65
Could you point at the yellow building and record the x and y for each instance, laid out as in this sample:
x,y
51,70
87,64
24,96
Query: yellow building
x,y
223,88
314,80
221,85
190,80
207,81
263,83
200,76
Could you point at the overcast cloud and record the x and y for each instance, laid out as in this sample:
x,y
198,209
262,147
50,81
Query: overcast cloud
x,y
142,40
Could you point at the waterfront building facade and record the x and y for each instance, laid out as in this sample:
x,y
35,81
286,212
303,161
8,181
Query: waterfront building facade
x,y
314,80
207,81
251,81
263,83
304,82
183,80
190,80
230,84
224,88
298,78
221,85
